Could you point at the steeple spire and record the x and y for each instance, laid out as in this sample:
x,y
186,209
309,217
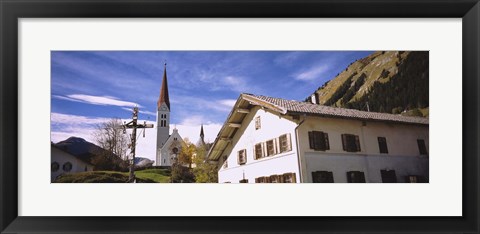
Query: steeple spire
x,y
201,132
164,90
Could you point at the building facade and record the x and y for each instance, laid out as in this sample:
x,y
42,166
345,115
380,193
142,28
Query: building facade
x,y
168,146
271,140
65,163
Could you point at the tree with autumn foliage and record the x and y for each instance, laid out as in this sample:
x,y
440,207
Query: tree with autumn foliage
x,y
204,171
182,166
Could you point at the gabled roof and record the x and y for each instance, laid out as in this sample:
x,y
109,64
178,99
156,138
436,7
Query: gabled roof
x,y
163,98
290,107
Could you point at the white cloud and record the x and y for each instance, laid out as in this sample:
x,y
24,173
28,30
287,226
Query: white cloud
x,y
227,102
97,100
236,83
140,111
312,73
287,59
58,118
222,105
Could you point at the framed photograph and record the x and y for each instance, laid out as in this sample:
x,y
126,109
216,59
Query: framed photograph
x,y
134,117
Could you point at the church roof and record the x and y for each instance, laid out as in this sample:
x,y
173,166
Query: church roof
x,y
164,90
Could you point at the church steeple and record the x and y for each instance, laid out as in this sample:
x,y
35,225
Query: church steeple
x,y
201,140
164,90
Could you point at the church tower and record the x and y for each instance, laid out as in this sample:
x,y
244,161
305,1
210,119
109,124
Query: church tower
x,y
163,113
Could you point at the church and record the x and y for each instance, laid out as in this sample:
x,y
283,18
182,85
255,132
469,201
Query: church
x,y
168,146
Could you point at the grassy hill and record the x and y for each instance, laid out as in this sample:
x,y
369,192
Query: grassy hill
x,y
143,176
389,81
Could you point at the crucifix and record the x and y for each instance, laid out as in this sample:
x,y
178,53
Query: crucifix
x,y
134,125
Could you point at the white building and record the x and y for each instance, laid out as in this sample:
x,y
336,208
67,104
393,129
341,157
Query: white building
x,y
267,139
65,163
168,146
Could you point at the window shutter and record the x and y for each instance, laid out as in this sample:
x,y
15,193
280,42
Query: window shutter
x,y
327,143
238,157
330,177
294,178
349,175
361,176
311,140
357,143
289,142
266,179
344,141
315,176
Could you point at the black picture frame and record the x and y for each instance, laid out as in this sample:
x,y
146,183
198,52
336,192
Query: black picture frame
x,y
11,11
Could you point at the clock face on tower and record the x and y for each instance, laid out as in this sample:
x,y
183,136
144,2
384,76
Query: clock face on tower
x,y
163,108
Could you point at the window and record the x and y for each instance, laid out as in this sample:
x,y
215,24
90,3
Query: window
x,y
412,179
276,179
388,176
322,177
285,178
258,124
258,151
242,157
421,147
355,177
243,181
318,140
270,147
55,166
382,145
289,178
262,179
351,143
67,166
285,143
175,150
416,179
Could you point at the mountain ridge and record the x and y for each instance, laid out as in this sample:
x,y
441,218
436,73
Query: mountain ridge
x,y
384,81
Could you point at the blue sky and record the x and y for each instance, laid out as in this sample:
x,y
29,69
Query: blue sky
x,y
90,86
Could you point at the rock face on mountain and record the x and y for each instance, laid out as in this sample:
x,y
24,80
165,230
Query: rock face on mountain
x,y
388,81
